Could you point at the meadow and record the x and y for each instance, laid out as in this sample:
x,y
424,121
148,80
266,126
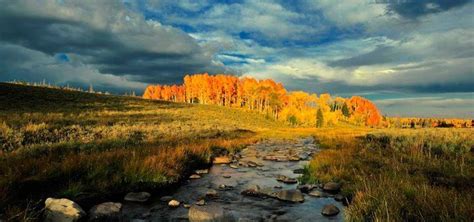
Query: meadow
x,y
91,148
400,174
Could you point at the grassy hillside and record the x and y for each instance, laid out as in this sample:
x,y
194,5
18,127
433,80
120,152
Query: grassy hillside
x,y
80,145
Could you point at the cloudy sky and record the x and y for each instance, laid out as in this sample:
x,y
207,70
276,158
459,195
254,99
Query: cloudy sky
x,y
412,57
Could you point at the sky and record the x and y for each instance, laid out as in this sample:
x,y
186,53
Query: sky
x,y
411,57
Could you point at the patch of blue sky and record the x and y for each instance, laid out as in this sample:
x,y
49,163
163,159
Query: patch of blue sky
x,y
62,57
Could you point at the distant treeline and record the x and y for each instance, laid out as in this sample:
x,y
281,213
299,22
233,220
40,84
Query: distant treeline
x,y
65,87
270,98
410,122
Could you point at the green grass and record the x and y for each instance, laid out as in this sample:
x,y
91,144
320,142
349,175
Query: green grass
x,y
70,144
401,175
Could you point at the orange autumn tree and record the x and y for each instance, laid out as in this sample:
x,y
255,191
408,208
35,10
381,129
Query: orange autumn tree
x,y
364,111
267,97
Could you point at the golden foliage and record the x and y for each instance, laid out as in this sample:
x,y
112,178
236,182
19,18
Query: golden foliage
x,y
268,97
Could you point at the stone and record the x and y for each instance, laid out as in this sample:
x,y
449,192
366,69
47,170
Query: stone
x,y
211,193
201,203
306,188
285,179
270,158
62,210
166,198
174,203
251,164
329,210
277,187
339,197
317,193
282,159
332,187
222,160
137,197
186,205
225,187
290,195
294,158
195,176
253,191
276,158
108,211
203,171
226,176
304,156
298,171
264,169
234,166
206,213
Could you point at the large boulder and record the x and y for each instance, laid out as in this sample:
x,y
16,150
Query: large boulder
x,y
332,187
62,210
137,197
290,195
108,211
206,213
329,210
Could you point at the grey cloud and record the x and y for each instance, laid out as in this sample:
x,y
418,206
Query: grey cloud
x,y
111,38
25,64
441,105
418,47
380,55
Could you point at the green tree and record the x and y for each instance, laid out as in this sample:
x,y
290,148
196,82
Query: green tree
x,y
319,118
345,111
293,121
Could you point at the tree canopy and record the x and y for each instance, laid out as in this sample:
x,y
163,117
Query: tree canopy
x,y
268,97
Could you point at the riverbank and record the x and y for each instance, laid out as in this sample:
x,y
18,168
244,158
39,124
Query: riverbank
x,y
401,175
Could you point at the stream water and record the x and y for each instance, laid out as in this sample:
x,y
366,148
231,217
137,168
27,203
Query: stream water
x,y
256,165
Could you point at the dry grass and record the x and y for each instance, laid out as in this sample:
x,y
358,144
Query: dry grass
x,y
401,175
77,145
70,144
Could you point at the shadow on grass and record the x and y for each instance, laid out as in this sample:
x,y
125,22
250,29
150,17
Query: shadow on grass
x,y
23,99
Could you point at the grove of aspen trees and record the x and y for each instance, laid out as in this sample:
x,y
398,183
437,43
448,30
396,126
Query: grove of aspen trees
x,y
270,98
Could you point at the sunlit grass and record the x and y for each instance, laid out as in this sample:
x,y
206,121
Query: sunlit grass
x,y
71,144
67,144
400,175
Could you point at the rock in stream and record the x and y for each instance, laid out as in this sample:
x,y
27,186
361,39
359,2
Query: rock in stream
x,y
244,187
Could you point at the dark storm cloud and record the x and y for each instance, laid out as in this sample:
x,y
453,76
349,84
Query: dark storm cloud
x,y
415,8
345,89
120,44
51,35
